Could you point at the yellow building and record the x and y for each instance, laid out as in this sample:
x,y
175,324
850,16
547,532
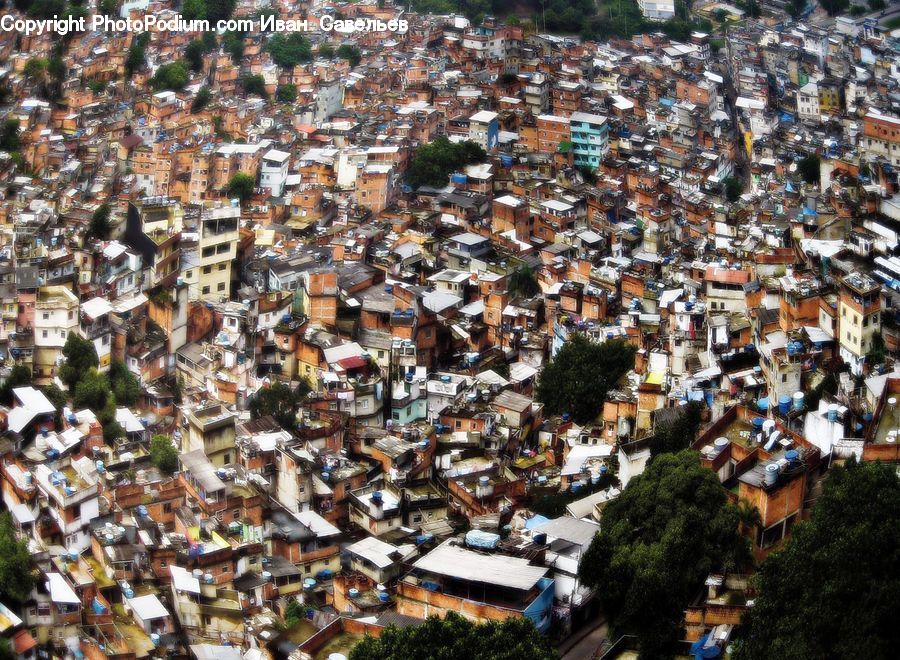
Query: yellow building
x,y
218,250
859,317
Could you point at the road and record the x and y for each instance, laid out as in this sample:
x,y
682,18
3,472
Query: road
x,y
584,644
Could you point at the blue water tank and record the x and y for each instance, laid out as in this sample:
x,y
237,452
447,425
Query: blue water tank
x,y
384,596
792,455
377,497
758,423
506,160
539,539
459,178
784,404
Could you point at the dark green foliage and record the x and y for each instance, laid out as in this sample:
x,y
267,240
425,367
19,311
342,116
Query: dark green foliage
x,y
326,51
660,539
193,9
286,93
217,10
18,377
795,7
9,135
59,400
112,431
835,7
255,84
109,8
349,53
193,54
875,356
877,5
433,163
92,391
241,186
554,505
172,76
16,579
97,86
808,168
35,68
6,650
201,100
281,402
733,189
100,226
47,8
455,637
588,174
523,283
209,41
164,454
125,385
137,53
289,50
80,356
233,43
679,434
577,379
833,590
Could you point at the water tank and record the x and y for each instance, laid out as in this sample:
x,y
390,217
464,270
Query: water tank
x,y
384,596
266,575
595,478
506,160
73,555
604,469
353,593
539,538
484,488
154,637
784,404
758,423
208,578
377,497
771,477
101,468
833,412
720,444
566,417
388,288
197,573
799,400
767,427
29,479
142,511
792,456
458,178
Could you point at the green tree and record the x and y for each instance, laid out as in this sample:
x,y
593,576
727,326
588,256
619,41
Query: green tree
x,y
733,188
286,93
433,163
233,43
808,168
241,186
16,577
289,50
100,226
577,379
193,53
137,53
109,8
9,135
279,401
876,353
834,7
92,391
326,51
523,283
6,650
218,10
193,10
201,100
255,84
678,434
173,76
660,539
125,385
80,356
832,590
59,400
349,53
456,637
164,454
19,376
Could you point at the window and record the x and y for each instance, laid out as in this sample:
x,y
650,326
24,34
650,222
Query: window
x,y
223,266
44,334
188,273
205,290
222,248
208,252
220,286
207,270
236,513
46,315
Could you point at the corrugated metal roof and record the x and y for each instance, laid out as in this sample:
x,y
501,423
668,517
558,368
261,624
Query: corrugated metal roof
x,y
453,561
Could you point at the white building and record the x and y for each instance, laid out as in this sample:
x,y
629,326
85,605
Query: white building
x,y
274,171
657,10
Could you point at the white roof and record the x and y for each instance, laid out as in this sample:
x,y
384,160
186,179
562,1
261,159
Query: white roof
x,y
319,526
468,238
509,200
336,353
35,400
96,307
556,205
376,551
519,371
276,155
484,117
128,420
148,607
588,118
60,591
183,580
216,652
581,453
753,104
456,562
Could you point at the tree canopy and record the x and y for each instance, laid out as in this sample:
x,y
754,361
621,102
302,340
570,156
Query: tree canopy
x,y
808,167
349,53
833,591
255,84
201,100
279,401
289,50
80,356
173,75
455,637
577,379
523,282
100,226
9,135
660,539
433,163
676,435
733,188
92,390
164,454
19,376
241,186
125,385
193,54
16,579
